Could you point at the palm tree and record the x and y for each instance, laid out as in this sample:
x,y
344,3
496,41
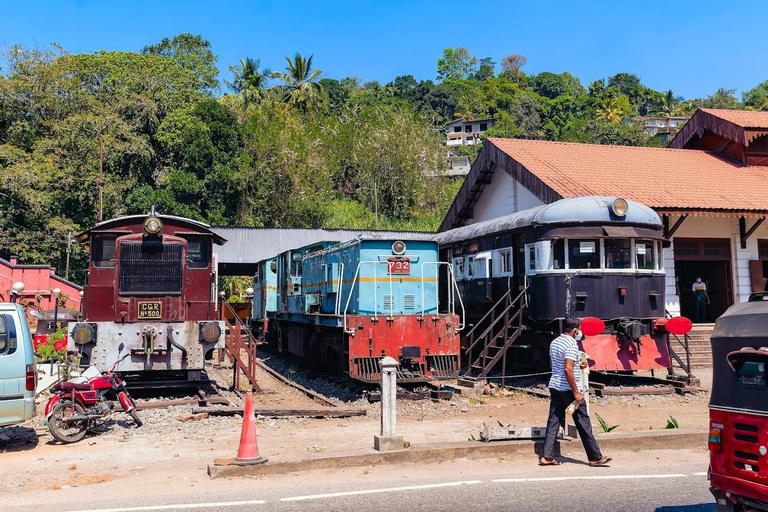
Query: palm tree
x,y
301,87
609,111
248,81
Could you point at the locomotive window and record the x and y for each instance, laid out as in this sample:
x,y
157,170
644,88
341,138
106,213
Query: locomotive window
x,y
296,264
644,255
584,254
104,251
617,253
198,252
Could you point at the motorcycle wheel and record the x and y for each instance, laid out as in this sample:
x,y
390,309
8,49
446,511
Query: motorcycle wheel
x,y
135,417
67,432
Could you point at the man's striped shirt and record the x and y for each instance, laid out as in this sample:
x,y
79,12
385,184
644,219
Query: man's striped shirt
x,y
563,347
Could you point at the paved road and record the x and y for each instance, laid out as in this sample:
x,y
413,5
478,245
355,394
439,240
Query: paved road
x,y
645,485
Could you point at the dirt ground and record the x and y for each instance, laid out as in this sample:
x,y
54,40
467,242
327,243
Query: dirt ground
x,y
121,450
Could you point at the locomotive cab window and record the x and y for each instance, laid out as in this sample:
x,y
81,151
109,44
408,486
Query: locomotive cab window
x,y
295,263
617,253
471,267
104,251
198,251
645,255
584,254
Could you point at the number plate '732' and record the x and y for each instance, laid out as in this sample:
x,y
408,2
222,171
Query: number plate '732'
x,y
398,265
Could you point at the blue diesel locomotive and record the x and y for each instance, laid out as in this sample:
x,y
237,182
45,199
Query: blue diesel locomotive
x,y
346,305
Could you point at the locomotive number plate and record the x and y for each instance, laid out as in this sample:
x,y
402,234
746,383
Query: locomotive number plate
x,y
398,265
150,310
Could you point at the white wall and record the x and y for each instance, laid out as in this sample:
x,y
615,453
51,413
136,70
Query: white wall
x,y
717,227
502,196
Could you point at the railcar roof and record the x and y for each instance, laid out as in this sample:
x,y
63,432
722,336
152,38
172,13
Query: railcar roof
x,y
576,210
217,239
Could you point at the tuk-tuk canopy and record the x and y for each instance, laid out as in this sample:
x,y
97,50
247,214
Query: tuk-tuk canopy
x,y
740,357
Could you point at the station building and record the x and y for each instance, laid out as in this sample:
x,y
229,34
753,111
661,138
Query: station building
x,y
709,186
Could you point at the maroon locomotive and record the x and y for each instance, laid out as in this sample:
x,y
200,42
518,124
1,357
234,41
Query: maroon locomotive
x,y
150,300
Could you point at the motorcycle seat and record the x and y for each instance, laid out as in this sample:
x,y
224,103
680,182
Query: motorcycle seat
x,y
65,386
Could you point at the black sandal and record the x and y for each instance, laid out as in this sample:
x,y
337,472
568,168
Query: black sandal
x,y
600,463
553,462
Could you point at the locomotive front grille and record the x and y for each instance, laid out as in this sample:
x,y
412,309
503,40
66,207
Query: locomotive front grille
x,y
150,268
445,367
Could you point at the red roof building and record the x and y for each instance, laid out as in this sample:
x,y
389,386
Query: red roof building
x,y
39,282
710,187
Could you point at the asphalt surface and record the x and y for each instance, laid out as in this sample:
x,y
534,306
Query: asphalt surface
x,y
646,485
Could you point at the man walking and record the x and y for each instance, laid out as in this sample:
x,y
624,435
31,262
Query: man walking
x,y
564,388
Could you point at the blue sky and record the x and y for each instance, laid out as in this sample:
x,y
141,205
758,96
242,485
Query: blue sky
x,y
690,47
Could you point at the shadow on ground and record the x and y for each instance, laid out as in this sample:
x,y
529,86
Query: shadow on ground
x,y
17,439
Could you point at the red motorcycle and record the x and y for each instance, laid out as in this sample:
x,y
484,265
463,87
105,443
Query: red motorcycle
x,y
76,407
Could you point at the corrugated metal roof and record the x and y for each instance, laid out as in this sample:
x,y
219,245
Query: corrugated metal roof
x,y
251,245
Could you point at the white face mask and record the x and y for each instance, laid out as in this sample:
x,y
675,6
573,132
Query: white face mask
x,y
578,335
698,280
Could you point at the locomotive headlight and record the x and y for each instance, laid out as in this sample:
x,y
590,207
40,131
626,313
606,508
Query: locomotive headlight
x,y
398,247
210,332
83,333
619,207
153,225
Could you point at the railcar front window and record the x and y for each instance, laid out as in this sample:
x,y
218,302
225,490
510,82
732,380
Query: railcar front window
x,y
584,254
645,255
617,254
558,254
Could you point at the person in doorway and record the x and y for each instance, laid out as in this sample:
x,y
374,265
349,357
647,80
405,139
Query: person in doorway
x,y
565,388
699,289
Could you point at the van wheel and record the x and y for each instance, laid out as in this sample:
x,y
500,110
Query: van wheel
x,y
67,431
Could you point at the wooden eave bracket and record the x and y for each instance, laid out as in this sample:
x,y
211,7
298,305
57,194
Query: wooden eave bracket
x,y
744,233
670,232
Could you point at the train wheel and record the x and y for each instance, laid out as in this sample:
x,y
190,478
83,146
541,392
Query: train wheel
x,y
67,431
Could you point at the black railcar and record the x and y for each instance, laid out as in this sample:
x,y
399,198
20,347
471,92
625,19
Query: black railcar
x,y
589,257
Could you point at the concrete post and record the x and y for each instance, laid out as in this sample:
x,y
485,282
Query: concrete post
x,y
388,440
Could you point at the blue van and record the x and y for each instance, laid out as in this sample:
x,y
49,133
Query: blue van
x,y
18,375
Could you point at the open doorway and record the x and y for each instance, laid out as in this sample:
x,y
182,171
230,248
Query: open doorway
x,y
710,260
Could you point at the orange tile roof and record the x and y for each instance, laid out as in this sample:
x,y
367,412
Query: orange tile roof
x,y
659,177
743,118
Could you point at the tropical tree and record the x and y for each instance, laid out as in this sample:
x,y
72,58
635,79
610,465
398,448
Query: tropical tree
x,y
248,80
301,84
609,111
456,64
192,53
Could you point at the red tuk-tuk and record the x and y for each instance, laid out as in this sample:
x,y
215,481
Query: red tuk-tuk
x,y
738,407
46,325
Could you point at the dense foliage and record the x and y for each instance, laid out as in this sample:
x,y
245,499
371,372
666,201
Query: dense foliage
x,y
275,149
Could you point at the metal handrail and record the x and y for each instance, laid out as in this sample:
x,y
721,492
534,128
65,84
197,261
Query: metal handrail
x,y
453,292
495,321
480,322
375,303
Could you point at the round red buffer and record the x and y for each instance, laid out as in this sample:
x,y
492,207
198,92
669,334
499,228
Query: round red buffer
x,y
679,325
592,326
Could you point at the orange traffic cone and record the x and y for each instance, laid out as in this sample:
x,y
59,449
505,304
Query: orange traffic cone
x,y
248,452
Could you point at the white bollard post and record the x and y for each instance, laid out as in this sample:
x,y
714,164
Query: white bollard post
x,y
388,440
